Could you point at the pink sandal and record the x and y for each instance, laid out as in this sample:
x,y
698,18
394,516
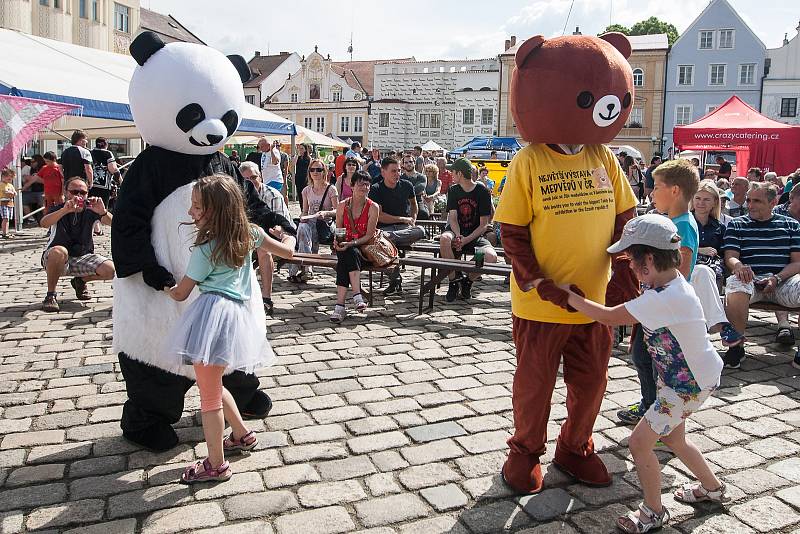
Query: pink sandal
x,y
202,471
247,442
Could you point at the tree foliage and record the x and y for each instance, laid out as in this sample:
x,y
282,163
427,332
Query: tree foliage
x,y
650,26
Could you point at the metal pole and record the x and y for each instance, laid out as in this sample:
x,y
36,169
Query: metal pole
x,y
18,185
295,193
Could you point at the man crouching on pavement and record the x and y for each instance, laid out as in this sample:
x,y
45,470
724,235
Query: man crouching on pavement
x,y
70,247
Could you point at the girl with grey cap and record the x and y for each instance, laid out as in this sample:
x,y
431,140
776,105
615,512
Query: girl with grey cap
x,y
688,366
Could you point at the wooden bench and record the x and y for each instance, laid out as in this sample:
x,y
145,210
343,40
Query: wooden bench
x,y
432,228
441,267
329,261
433,248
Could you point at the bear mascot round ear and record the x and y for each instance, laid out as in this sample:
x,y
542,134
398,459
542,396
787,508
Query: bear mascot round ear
x,y
573,89
185,97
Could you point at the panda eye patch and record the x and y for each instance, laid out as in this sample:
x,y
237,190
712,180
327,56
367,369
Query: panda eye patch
x,y
585,100
626,100
231,121
190,116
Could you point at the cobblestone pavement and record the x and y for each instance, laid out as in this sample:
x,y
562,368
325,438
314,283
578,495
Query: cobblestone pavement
x,y
389,423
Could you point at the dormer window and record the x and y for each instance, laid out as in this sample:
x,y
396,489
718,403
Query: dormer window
x,y
726,39
706,40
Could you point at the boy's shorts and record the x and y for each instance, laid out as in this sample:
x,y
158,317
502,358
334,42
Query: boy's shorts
x,y
85,265
7,211
672,408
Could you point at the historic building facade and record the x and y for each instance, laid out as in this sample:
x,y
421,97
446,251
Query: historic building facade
x,y
781,86
449,102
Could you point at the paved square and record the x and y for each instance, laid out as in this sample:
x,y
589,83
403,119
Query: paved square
x,y
390,422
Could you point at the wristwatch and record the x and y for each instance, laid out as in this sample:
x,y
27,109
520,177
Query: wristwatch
x,y
778,279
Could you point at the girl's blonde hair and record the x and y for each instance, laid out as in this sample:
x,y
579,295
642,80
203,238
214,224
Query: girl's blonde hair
x,y
707,186
432,168
226,223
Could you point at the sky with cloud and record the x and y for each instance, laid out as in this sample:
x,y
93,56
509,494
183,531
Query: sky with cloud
x,y
442,29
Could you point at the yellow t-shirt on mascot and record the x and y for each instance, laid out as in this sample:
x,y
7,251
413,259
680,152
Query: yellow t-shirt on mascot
x,y
570,203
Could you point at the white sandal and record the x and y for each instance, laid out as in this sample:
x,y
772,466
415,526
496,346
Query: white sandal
x,y
635,525
688,493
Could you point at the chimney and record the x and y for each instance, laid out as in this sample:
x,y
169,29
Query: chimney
x,y
577,31
284,53
513,40
258,53
785,39
508,44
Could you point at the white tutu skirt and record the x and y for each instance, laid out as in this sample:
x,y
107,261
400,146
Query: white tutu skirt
x,y
216,330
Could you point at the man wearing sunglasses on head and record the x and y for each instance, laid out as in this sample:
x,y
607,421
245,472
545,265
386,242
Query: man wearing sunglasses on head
x,y
70,246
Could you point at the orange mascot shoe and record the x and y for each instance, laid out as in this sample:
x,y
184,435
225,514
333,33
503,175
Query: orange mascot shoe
x,y
586,467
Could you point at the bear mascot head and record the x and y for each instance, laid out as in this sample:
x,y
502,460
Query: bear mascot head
x,y
573,89
186,100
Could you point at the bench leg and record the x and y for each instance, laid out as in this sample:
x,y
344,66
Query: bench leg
x,y
371,291
421,289
432,294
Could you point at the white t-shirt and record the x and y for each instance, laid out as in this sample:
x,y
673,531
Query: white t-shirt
x,y
676,337
271,173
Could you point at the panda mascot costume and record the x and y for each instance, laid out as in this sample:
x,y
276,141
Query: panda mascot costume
x,y
186,101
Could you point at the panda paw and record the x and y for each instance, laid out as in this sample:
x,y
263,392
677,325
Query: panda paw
x,y
158,277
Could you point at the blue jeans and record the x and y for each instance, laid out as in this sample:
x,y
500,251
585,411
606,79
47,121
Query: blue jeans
x,y
645,369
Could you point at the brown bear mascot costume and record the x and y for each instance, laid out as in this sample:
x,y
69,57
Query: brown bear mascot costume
x,y
565,200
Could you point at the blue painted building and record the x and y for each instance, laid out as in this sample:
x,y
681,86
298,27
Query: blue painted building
x,y
717,56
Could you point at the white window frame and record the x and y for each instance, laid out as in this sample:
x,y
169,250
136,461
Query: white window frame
x,y
678,76
321,124
436,120
710,108
724,74
336,95
293,98
741,69
381,122
780,107
344,124
358,124
700,39
483,116
691,113
308,122
122,18
733,39
83,9
424,120
637,115
95,10
471,113
638,71
250,99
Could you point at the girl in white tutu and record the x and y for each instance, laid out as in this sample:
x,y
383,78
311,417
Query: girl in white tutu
x,y
219,331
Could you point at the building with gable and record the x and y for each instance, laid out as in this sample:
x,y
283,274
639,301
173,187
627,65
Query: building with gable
x,y
269,74
326,96
449,102
781,87
716,57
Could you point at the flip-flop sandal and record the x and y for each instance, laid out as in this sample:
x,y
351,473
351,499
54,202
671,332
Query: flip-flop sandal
x,y
202,471
247,442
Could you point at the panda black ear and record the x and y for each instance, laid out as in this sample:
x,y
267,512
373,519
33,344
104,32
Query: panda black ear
x,y
145,45
241,67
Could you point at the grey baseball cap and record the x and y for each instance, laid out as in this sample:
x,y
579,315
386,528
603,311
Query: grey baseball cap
x,y
653,230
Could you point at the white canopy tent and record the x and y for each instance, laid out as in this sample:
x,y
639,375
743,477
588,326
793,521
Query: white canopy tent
x,y
97,80
432,146
304,136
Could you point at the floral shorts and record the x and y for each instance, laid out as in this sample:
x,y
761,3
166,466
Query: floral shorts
x,y
671,408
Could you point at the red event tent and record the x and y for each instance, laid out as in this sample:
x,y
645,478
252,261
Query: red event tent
x,y
758,140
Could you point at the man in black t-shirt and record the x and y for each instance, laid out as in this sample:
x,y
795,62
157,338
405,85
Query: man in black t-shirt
x,y
398,213
725,168
469,210
77,160
70,248
104,169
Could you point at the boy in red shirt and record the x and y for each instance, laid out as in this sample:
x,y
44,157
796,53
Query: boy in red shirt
x,y
53,181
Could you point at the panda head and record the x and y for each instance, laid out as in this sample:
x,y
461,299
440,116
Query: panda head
x,y
185,97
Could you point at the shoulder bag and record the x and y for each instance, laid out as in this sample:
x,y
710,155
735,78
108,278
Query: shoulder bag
x,y
324,228
378,251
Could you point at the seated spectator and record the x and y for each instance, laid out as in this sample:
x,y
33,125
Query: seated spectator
x,y
274,201
706,211
53,181
736,198
483,177
32,187
418,181
70,246
469,210
433,187
723,185
358,215
791,180
791,208
319,200
710,174
343,189
755,174
398,214
762,250
445,176
773,178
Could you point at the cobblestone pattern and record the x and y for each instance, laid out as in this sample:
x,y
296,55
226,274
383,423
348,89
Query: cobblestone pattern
x,y
391,423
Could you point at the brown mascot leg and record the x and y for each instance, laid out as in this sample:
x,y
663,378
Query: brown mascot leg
x,y
586,356
539,347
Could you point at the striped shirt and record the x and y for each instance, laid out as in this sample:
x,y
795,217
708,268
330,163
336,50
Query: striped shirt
x,y
765,246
